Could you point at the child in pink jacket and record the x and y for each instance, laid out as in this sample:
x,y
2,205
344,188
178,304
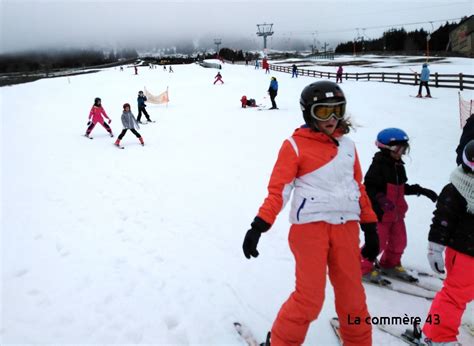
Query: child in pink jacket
x,y
96,115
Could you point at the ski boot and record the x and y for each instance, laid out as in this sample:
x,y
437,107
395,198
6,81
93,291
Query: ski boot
x,y
398,272
429,96
267,341
419,96
374,277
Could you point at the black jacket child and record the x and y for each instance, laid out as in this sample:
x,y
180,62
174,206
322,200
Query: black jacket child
x,y
386,185
453,225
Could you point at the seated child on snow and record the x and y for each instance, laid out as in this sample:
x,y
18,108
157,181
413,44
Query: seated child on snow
x,y
248,102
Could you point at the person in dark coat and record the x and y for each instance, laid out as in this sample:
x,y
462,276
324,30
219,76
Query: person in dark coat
x,y
452,229
294,71
141,99
386,185
466,136
273,91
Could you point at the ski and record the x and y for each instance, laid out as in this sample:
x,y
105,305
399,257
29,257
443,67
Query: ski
x,y
248,337
411,336
421,284
422,293
423,97
469,328
419,273
88,136
119,146
334,322
406,336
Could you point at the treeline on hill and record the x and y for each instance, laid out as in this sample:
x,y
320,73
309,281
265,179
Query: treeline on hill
x,y
50,60
397,40
236,55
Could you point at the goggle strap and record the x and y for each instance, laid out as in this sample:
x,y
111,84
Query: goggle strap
x,y
467,162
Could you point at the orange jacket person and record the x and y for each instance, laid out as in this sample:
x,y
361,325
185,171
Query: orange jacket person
x,y
329,201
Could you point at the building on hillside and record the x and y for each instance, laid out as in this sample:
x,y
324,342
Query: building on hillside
x,y
462,37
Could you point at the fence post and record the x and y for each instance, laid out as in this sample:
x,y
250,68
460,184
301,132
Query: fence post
x,y
436,79
416,78
329,75
314,73
383,77
368,76
398,77
461,86
346,75
357,76
320,75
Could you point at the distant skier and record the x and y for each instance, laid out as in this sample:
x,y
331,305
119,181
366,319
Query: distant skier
x,y
273,91
294,71
171,69
424,79
452,229
97,115
129,123
136,69
164,68
265,65
339,74
121,68
319,168
218,78
386,185
257,64
141,99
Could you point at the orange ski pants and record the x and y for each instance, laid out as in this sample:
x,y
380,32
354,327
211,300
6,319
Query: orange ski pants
x,y
319,247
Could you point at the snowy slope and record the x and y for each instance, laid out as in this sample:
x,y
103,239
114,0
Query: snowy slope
x,y
143,245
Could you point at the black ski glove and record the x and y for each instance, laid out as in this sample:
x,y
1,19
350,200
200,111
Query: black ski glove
x,y
89,123
371,246
253,235
429,193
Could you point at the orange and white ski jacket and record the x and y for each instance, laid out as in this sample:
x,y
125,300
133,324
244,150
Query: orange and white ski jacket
x,y
325,178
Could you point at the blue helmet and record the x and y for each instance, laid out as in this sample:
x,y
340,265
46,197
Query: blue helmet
x,y
391,136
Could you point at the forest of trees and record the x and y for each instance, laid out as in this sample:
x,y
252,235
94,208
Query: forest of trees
x,y
49,60
398,40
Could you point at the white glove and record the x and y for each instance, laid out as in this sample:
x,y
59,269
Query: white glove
x,y
435,257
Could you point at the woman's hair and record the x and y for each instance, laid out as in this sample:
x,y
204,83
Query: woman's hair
x,y
345,125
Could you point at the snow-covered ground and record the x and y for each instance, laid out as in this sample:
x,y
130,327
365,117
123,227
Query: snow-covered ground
x,y
143,245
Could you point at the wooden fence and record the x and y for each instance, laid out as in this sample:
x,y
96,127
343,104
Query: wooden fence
x,y
458,81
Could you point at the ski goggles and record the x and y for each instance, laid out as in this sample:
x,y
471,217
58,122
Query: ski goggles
x,y
325,111
400,149
466,161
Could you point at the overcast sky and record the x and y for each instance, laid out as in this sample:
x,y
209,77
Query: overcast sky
x,y
36,24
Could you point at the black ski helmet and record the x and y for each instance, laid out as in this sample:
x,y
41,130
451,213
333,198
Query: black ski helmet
x,y
97,100
468,157
323,91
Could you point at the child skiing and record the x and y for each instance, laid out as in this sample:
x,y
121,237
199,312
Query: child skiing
x,y
452,230
141,99
245,102
218,78
273,91
129,123
386,185
96,115
329,201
